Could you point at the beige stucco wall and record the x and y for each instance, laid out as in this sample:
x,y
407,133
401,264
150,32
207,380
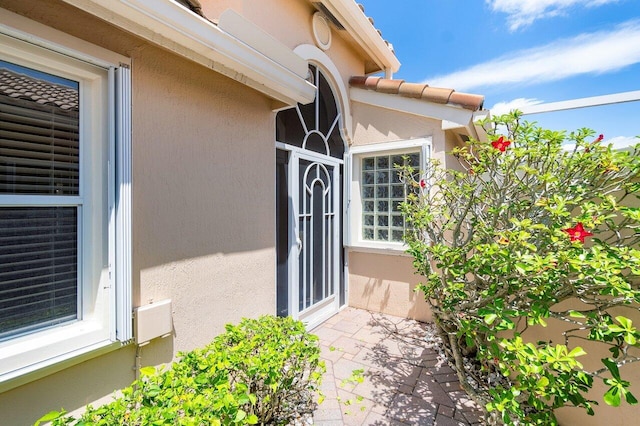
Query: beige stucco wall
x,y
203,210
385,281
289,21
374,124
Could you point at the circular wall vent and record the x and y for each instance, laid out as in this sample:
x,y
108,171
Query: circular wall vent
x,y
321,31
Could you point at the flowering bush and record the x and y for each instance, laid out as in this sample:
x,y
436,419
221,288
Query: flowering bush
x,y
262,371
528,220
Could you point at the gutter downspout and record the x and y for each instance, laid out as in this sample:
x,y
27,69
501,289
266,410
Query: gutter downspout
x,y
388,73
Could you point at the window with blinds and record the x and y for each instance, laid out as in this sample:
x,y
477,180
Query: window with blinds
x,y
40,203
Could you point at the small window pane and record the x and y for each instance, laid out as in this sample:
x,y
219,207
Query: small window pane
x,y
414,160
382,163
395,176
383,206
368,206
368,192
382,177
397,191
368,220
397,236
383,221
367,233
397,221
396,205
382,235
368,178
397,160
382,192
368,163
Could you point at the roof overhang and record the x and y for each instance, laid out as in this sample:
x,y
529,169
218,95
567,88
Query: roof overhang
x,y
362,31
266,66
452,117
449,115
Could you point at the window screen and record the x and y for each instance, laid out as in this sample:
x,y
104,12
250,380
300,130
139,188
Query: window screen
x,y
39,203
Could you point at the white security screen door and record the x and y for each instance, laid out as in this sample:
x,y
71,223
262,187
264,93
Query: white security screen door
x,y
316,232
309,208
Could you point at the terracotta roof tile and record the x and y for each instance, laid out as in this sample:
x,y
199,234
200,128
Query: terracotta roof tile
x,y
421,91
438,95
466,100
411,90
22,86
386,85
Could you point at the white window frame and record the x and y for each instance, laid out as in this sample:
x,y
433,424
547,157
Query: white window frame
x,y
353,230
104,279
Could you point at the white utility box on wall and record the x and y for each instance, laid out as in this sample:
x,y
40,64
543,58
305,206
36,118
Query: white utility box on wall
x,y
152,320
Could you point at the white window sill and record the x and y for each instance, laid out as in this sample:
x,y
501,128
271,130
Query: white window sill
x,y
35,372
379,248
31,357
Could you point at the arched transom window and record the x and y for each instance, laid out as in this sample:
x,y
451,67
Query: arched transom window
x,y
314,126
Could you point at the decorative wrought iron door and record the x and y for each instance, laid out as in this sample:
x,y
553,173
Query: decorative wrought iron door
x,y
317,233
310,157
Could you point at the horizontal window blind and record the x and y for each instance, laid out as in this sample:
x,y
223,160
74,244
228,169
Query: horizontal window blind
x,y
39,148
38,267
39,155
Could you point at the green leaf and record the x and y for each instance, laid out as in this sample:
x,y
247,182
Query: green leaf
x,y
240,415
148,371
490,318
252,419
542,383
612,397
631,400
576,314
612,367
577,351
51,415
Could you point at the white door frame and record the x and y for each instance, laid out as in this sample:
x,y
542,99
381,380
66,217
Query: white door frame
x,y
315,314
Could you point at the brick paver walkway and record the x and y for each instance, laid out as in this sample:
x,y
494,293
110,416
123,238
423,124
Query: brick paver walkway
x,y
405,382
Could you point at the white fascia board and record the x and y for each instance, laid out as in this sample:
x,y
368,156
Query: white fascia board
x,y
480,133
359,27
450,114
173,27
615,98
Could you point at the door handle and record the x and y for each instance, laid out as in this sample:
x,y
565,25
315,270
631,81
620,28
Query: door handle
x,y
299,244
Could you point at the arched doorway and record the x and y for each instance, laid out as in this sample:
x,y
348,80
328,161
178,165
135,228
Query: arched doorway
x,y
309,158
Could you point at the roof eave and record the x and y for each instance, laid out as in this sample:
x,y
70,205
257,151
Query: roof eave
x,y
179,30
364,34
447,113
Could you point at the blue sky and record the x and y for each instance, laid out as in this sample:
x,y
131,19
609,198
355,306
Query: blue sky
x,y
523,52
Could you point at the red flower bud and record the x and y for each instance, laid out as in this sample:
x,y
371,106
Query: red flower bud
x,y
423,184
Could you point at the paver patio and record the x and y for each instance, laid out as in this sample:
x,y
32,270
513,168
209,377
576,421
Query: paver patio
x,y
405,381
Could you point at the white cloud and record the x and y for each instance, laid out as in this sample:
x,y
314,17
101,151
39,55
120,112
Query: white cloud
x,y
589,53
522,13
618,142
505,107
621,142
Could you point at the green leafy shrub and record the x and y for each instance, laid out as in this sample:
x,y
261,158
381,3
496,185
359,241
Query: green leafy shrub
x,y
526,221
262,371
